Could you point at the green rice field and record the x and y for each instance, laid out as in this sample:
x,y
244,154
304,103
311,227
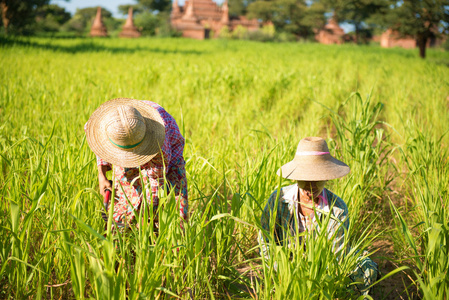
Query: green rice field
x,y
242,107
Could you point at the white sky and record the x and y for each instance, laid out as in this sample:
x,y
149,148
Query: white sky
x,y
111,5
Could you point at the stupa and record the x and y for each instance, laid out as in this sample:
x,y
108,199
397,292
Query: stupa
x,y
331,34
98,28
129,29
175,11
391,38
225,13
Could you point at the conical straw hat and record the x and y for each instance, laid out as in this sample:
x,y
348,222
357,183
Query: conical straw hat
x,y
313,162
125,132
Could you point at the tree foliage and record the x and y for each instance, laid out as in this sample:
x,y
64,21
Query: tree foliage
x,y
151,16
424,20
238,7
293,16
146,22
88,14
155,5
19,16
49,18
420,18
123,9
262,10
362,14
83,18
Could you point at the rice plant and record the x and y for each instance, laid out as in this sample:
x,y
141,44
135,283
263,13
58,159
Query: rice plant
x,y
242,107
428,187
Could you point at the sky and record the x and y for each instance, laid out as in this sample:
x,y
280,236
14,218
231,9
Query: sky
x,y
111,5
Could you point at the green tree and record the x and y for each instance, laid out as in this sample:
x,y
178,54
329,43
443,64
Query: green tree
x,y
314,17
360,13
420,18
151,16
83,18
19,16
51,17
88,13
123,9
263,10
292,16
156,5
238,7
147,23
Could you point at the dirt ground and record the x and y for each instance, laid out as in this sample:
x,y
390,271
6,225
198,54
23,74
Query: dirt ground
x,y
395,286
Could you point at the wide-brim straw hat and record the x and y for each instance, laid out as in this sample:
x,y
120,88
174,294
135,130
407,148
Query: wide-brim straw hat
x,y
125,132
313,162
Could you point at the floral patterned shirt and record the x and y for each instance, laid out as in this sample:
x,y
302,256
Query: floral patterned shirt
x,y
128,187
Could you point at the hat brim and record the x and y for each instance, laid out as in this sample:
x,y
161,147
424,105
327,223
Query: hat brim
x,y
131,158
331,168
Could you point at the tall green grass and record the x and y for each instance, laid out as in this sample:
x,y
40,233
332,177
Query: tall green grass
x,y
427,162
243,107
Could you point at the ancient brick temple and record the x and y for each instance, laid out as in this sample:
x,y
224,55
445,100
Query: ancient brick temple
x,y
129,29
391,38
203,19
98,28
331,33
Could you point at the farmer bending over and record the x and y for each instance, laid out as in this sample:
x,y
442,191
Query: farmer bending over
x,y
311,168
126,134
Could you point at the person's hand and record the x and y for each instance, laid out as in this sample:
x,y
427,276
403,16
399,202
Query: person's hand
x,y
104,184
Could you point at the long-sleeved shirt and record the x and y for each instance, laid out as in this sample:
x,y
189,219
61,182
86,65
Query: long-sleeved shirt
x,y
128,187
287,214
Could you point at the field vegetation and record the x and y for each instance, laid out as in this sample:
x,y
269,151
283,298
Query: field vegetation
x,y
242,107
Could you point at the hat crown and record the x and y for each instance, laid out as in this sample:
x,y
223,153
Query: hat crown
x,y
125,127
312,144
313,162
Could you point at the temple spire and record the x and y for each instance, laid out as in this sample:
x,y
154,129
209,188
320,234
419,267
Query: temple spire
x,y
189,12
225,13
98,28
129,21
176,11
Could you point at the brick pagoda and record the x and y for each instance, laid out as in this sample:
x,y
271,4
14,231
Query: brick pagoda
x,y
129,29
331,34
203,19
391,38
98,28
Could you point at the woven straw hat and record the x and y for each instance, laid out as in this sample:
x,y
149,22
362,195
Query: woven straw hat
x,y
313,162
125,132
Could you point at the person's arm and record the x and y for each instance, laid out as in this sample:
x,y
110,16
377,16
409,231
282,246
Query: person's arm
x,y
340,227
265,224
366,270
176,175
181,191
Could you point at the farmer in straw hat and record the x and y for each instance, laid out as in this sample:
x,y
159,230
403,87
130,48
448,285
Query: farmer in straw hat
x,y
301,202
128,134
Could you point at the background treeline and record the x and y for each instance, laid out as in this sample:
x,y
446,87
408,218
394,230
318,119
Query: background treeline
x,y
292,19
